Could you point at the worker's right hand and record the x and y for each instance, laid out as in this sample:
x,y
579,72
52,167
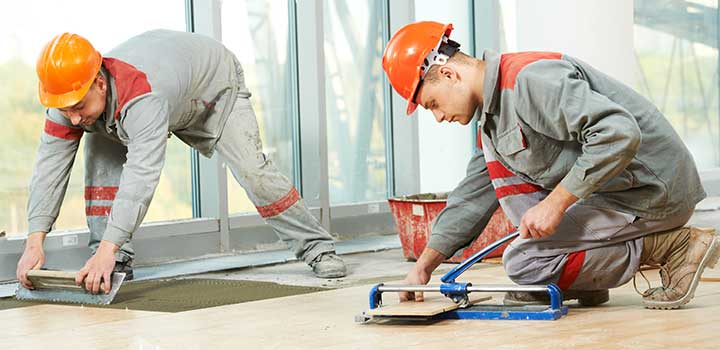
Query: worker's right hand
x,y
33,258
416,276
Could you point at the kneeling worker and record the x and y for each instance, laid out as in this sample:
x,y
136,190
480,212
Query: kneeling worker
x,y
592,174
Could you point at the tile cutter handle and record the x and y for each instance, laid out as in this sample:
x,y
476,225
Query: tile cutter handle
x,y
458,270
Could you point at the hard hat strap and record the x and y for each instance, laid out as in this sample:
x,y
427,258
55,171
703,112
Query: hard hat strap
x,y
440,54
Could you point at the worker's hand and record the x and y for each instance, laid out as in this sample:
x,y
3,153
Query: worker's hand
x,y
416,276
98,269
428,261
541,220
33,258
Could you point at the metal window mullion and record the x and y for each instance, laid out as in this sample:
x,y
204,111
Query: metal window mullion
x,y
211,177
312,107
189,16
195,183
388,111
194,160
405,138
295,88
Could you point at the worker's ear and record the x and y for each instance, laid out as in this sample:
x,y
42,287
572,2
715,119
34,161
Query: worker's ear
x,y
101,83
447,72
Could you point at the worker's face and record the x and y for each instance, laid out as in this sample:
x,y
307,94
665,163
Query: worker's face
x,y
89,109
449,98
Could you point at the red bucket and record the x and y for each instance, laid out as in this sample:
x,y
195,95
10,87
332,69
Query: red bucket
x,y
414,216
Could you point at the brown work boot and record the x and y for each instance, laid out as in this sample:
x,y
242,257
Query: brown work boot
x,y
584,297
682,254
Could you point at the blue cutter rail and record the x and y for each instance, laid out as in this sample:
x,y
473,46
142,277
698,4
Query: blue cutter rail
x,y
459,291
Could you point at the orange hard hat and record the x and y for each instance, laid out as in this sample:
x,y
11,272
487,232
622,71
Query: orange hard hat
x,y
67,67
405,60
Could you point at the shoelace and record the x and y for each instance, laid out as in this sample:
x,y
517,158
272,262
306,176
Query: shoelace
x,y
650,288
324,256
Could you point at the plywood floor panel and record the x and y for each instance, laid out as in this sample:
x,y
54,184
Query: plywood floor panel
x,y
324,320
48,318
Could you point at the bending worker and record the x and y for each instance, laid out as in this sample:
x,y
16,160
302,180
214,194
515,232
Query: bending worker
x,y
127,104
591,173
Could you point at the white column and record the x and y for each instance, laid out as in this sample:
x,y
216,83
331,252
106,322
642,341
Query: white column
x,y
599,32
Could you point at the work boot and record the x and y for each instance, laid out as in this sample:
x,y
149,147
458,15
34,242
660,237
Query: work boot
x,y
125,266
681,254
584,297
328,265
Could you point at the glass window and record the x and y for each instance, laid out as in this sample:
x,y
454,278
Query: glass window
x,y
355,103
676,46
24,29
257,32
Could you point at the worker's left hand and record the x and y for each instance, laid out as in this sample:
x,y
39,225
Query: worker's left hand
x,y
98,269
541,220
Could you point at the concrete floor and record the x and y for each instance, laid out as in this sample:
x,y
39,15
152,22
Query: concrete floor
x,y
363,268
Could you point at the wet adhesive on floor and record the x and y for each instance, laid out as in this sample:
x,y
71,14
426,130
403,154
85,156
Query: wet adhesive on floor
x,y
187,294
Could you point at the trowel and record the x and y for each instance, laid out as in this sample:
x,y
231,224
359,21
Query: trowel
x,y
59,287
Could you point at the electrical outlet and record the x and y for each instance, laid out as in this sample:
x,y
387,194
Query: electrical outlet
x,y
69,241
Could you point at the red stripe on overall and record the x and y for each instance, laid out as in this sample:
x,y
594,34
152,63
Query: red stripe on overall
x,y
129,82
61,131
280,206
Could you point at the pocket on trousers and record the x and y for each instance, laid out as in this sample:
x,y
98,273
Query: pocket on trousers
x,y
600,223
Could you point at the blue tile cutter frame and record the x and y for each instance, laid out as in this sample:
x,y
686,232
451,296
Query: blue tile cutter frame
x,y
458,292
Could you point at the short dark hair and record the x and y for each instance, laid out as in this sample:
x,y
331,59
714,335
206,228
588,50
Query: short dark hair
x,y
459,58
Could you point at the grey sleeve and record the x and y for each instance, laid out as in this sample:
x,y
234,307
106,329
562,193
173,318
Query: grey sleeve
x,y
553,98
55,157
469,208
146,127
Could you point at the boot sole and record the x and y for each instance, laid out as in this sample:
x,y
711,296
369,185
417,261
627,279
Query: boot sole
x,y
709,260
332,275
594,300
339,273
587,301
580,301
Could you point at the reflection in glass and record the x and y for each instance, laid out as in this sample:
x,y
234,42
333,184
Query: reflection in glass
x,y
676,46
23,32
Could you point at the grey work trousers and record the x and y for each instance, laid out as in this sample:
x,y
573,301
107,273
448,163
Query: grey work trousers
x,y
269,190
612,241
104,161
241,148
